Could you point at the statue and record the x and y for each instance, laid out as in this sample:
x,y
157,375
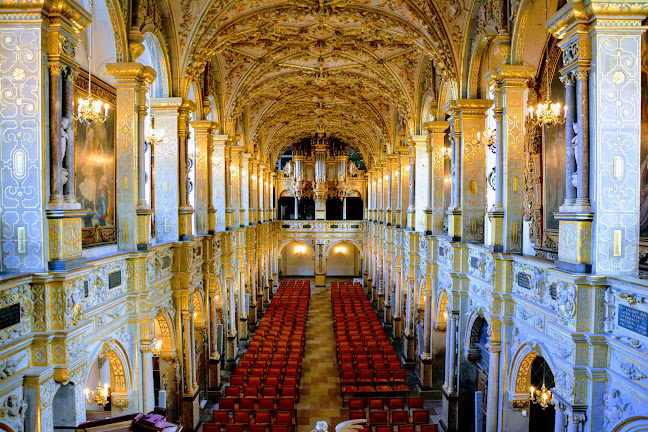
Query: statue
x,y
574,144
165,382
64,135
288,168
13,411
616,408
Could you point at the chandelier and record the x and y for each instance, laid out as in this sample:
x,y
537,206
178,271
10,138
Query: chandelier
x,y
157,348
541,396
547,113
446,152
89,110
99,396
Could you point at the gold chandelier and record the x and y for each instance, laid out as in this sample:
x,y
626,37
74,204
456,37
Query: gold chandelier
x,y
99,396
446,152
90,109
547,113
541,396
487,138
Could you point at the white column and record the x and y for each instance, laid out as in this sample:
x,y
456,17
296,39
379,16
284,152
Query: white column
x,y
559,425
148,391
452,329
427,325
492,408
188,349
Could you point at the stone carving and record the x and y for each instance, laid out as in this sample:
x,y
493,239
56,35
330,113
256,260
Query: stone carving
x,y
564,384
482,265
631,371
617,408
123,336
12,412
566,303
8,366
74,303
75,347
110,315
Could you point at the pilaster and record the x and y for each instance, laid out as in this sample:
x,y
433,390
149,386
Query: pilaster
x,y
466,216
203,130
133,80
438,131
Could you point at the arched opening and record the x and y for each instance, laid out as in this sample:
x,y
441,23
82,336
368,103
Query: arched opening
x,y
541,419
165,383
306,208
109,371
64,408
479,356
354,207
344,259
297,259
286,208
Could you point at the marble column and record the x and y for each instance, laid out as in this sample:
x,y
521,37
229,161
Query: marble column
x,y
452,358
559,424
404,190
56,72
229,167
203,130
575,421
571,123
185,210
492,405
411,208
419,156
69,188
467,212
148,392
398,171
427,325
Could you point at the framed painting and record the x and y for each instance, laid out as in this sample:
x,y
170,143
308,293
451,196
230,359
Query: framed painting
x,y
95,166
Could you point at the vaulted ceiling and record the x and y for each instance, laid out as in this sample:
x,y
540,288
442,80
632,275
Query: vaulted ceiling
x,y
284,70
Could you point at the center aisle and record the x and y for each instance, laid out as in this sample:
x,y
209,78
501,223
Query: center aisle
x,y
320,384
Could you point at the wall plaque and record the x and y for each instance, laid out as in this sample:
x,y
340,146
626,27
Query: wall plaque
x,y
9,315
524,280
633,319
114,279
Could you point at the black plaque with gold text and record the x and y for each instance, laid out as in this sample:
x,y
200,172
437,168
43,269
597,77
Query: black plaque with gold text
x,y
9,315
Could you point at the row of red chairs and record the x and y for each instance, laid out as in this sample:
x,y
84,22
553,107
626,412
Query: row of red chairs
x,y
264,387
394,417
367,360
391,404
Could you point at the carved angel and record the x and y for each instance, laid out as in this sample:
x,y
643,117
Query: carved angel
x,y
574,144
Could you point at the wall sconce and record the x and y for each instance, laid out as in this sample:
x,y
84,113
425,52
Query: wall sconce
x,y
195,315
157,348
340,250
300,250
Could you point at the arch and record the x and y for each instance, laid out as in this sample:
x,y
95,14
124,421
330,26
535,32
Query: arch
x,y
285,243
476,322
120,370
164,330
296,262
522,38
441,313
633,424
6,427
337,242
520,373
158,57
198,302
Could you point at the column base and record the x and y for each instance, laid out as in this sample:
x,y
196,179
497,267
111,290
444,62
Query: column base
x,y
425,366
381,302
575,239
185,229
409,348
243,329
449,412
397,331
65,244
144,229
252,318
215,384
231,351
387,317
454,225
429,222
191,411
496,218
320,280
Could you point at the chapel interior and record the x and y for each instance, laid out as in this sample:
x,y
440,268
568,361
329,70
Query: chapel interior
x,y
287,215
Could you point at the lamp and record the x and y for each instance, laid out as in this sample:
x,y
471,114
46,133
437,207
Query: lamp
x,y
300,250
487,138
340,250
547,113
446,152
157,348
153,136
541,396
99,396
90,109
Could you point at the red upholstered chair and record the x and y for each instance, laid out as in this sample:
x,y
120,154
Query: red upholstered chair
x,y
266,403
285,418
263,417
250,391
221,416
211,427
376,404
396,403
227,403
247,403
254,380
356,404
399,417
384,428
253,427
286,404
357,414
378,418
280,428
420,416
406,428
234,428
232,391
415,403
242,416
429,428
237,380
